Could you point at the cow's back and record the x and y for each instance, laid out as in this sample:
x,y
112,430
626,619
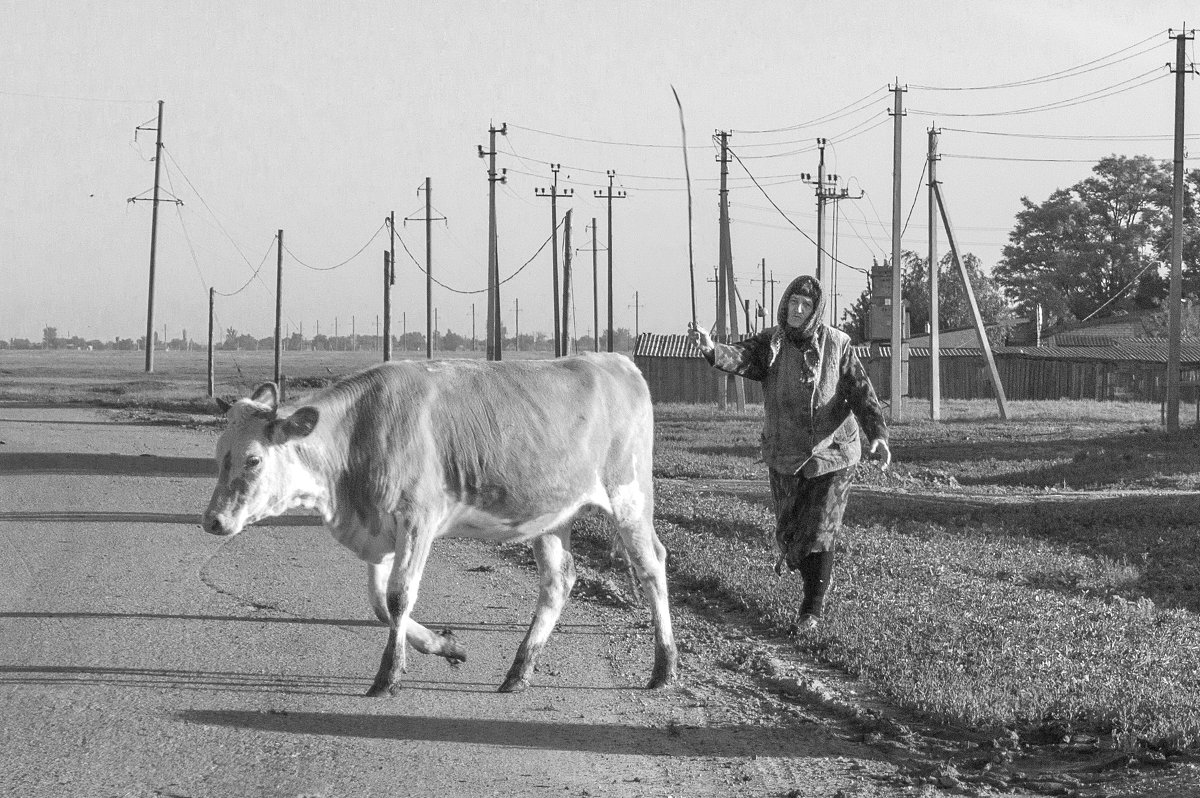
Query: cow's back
x,y
516,438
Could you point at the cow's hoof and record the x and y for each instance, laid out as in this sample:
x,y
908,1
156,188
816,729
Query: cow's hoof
x,y
454,651
664,674
383,690
514,684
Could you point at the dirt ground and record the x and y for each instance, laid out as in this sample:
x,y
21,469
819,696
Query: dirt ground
x,y
142,657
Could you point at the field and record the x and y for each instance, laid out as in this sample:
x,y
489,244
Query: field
x,y
1031,580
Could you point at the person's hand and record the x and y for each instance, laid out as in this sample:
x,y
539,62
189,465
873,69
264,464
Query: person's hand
x,y
700,337
885,455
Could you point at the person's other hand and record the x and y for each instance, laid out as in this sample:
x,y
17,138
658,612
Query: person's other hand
x,y
699,337
885,455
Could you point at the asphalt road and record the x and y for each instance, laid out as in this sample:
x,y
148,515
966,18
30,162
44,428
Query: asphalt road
x,y
142,657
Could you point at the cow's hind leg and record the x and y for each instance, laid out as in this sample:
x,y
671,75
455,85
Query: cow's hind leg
x,y
412,551
556,575
419,637
631,508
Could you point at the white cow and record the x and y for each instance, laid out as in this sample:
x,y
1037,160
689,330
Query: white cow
x,y
403,453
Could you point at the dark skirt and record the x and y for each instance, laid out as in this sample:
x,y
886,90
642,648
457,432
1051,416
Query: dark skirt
x,y
808,511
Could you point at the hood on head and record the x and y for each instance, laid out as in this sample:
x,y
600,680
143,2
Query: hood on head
x,y
808,286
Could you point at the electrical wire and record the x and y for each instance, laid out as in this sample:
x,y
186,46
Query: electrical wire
x,y
1014,158
1062,74
343,263
480,290
1120,291
819,119
254,276
913,207
600,141
1098,94
785,216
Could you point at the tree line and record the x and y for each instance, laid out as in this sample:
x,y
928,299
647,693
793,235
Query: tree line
x,y
1094,249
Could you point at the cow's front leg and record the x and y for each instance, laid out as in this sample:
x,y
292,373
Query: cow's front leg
x,y
556,574
419,637
412,551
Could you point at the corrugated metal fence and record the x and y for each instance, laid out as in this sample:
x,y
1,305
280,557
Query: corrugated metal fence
x,y
676,371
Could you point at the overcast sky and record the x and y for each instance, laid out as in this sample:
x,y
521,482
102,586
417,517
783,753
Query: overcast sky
x,y
321,118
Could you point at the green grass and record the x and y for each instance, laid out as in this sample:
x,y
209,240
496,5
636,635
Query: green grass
x,y
1039,615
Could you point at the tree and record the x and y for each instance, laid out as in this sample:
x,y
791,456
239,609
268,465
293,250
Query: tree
x,y
954,308
1095,246
50,337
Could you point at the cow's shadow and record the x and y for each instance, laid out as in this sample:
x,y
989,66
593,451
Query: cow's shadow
x,y
602,738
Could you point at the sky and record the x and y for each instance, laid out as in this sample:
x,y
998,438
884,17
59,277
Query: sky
x,y
320,119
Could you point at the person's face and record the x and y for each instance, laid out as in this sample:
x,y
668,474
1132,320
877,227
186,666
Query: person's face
x,y
799,308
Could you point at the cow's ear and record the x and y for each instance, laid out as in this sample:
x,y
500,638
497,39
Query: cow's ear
x,y
221,403
298,425
266,394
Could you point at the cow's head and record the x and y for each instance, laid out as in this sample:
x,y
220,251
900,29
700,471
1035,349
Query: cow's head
x,y
260,475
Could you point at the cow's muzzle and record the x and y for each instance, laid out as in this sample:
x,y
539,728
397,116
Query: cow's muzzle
x,y
214,524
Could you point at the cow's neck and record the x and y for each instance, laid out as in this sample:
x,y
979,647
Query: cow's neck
x,y
307,489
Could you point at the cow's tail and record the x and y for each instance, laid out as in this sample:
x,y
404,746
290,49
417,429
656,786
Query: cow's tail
x,y
618,552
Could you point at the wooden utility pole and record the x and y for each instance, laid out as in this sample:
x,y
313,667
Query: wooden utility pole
x,y
980,332
610,196
595,293
517,322
472,326
211,376
727,326
154,200
935,352
1175,295
495,339
566,285
553,193
278,303
387,306
896,389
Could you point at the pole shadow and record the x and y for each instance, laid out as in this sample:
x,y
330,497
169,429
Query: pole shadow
x,y
119,517
31,463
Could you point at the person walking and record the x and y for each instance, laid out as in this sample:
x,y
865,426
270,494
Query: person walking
x,y
816,397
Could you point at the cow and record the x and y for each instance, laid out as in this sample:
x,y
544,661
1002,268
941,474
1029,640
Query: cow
x,y
402,453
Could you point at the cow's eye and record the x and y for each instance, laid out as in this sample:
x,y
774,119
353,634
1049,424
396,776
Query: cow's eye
x,y
253,461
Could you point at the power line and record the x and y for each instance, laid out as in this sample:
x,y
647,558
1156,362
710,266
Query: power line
x,y
336,265
1064,137
1069,102
481,290
1062,74
785,216
254,276
829,117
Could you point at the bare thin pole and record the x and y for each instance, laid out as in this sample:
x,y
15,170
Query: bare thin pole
x,y
278,304
687,174
566,285
980,331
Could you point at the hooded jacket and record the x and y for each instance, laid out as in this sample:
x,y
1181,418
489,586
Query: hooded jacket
x,y
816,393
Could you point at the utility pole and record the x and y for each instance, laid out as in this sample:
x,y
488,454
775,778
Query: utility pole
x,y
278,302
429,219
517,319
472,326
1175,297
768,311
553,193
387,306
158,145
896,389
566,286
211,376
495,341
726,289
935,353
610,196
980,330
826,190
637,306
595,290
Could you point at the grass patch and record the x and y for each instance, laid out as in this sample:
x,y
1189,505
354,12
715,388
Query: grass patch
x,y
1059,613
